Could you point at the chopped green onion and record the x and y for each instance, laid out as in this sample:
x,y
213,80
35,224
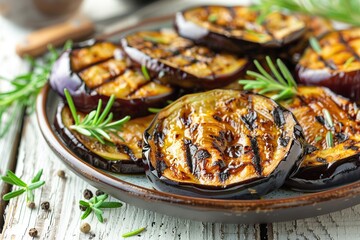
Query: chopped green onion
x,y
212,18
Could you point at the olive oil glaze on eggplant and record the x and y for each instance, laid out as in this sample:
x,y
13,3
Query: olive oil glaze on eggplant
x,y
222,144
94,70
326,166
122,156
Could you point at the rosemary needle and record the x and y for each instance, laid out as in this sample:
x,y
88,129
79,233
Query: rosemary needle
x,y
133,233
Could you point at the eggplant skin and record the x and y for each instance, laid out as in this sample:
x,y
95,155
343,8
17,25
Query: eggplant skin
x,y
336,66
85,61
222,144
126,157
234,29
179,62
322,166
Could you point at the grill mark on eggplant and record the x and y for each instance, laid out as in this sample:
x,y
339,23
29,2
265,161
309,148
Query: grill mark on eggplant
x,y
320,119
249,119
232,12
348,47
256,160
328,64
138,88
88,66
309,149
125,149
108,80
190,151
278,115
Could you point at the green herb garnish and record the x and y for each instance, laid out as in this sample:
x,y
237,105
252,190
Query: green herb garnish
x,y
96,124
347,11
26,87
12,179
348,62
329,139
283,85
317,139
330,124
328,119
212,18
314,43
95,204
133,233
154,110
145,72
155,40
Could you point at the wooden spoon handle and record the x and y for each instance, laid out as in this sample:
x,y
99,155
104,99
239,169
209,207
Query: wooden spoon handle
x,y
36,42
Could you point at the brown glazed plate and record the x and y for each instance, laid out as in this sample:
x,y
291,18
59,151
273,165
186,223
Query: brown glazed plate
x,y
280,205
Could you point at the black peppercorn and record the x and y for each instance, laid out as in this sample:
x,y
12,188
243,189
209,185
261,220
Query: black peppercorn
x,y
45,205
33,232
87,194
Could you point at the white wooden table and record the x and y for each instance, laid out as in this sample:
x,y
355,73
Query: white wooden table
x,y
24,150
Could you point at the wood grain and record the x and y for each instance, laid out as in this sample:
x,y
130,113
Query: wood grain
x,y
338,225
63,220
11,65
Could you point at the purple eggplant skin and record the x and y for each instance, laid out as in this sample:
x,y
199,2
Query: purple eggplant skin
x,y
120,166
346,84
219,42
86,100
249,189
314,179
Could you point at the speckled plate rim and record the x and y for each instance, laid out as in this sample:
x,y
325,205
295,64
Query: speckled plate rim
x,y
130,191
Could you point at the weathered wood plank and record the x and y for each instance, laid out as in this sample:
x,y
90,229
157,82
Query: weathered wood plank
x,y
63,220
338,225
11,65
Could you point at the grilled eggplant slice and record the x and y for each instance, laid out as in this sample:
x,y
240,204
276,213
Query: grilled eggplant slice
x,y
123,156
96,70
180,62
316,27
221,144
324,166
336,65
236,29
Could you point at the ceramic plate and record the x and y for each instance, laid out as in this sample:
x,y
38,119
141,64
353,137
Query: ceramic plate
x,y
280,205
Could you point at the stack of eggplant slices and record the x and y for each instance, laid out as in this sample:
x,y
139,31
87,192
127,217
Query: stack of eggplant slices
x,y
230,103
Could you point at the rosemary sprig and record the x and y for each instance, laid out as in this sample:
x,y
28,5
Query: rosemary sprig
x,y
145,72
329,124
25,87
329,139
283,85
96,124
95,204
347,11
12,179
133,233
